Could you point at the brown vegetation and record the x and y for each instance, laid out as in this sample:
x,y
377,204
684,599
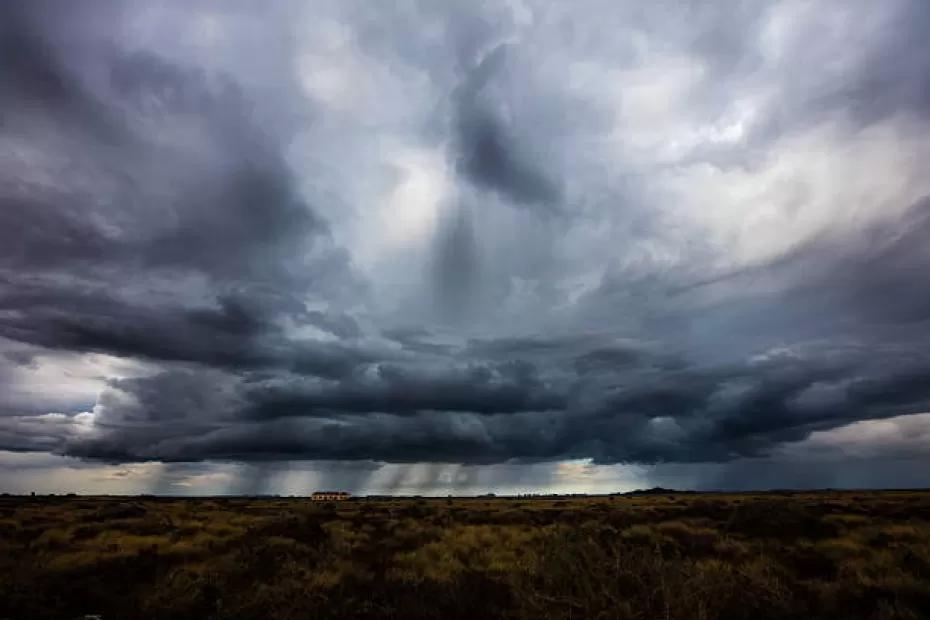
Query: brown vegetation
x,y
804,555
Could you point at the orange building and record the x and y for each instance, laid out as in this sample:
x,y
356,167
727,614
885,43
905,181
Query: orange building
x,y
329,496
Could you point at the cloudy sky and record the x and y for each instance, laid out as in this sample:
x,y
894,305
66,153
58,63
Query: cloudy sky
x,y
456,247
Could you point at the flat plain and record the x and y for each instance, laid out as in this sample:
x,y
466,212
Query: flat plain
x,y
856,554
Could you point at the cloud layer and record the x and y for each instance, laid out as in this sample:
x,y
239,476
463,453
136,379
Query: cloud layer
x,y
465,234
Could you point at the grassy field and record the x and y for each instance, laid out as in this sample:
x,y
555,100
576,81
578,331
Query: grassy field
x,y
757,556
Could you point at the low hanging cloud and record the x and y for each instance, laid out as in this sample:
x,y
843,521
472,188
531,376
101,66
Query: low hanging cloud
x,y
465,235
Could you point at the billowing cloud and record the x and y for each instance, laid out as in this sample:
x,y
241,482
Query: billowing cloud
x,y
421,242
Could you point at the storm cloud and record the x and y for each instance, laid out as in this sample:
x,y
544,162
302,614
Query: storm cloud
x,y
462,236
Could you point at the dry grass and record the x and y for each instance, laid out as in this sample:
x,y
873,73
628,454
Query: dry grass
x,y
803,555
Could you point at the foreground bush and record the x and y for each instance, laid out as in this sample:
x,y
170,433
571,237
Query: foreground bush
x,y
828,555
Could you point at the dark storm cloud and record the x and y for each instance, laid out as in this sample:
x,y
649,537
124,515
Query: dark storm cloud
x,y
91,261
489,155
893,75
881,76
417,340
615,236
879,282
633,412
865,282
34,79
21,357
340,325
230,192
507,387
